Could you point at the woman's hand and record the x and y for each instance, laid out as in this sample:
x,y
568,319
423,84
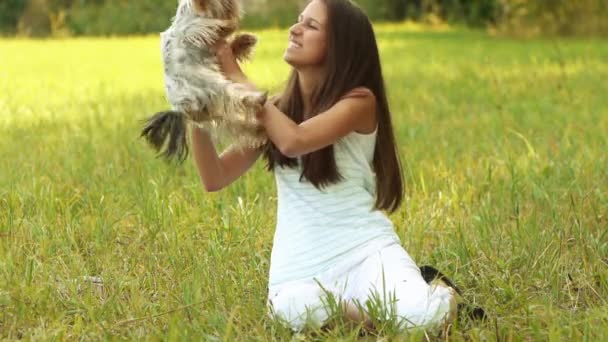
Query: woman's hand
x,y
228,63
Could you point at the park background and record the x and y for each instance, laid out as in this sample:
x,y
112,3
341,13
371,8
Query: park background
x,y
501,117
120,17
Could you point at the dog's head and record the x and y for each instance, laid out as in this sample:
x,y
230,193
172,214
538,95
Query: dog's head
x,y
219,9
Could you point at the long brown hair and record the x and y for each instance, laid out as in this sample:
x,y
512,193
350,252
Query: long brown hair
x,y
352,61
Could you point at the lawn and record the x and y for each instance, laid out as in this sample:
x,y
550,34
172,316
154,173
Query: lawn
x,y
504,145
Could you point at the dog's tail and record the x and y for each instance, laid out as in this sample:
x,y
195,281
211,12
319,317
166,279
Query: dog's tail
x,y
171,125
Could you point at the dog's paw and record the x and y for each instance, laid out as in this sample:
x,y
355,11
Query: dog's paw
x,y
255,100
262,98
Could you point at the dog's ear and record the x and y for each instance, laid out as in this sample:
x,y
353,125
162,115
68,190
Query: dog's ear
x,y
242,46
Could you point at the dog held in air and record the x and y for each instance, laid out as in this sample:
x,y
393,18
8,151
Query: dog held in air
x,y
196,88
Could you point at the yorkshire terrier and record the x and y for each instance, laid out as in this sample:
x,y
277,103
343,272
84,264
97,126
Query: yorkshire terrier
x,y
195,86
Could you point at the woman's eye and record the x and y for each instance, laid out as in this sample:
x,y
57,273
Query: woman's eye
x,y
308,23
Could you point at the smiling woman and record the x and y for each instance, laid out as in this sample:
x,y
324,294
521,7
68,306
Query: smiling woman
x,y
333,153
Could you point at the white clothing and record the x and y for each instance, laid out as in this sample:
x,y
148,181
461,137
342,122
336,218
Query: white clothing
x,y
404,293
335,236
317,228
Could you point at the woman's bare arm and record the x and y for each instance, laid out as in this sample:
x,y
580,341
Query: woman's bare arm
x,y
217,172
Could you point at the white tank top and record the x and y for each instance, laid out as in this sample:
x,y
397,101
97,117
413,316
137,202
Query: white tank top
x,y
319,229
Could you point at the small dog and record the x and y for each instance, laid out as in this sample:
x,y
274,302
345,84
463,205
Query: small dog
x,y
194,84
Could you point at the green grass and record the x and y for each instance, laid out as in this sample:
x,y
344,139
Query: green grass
x,y
504,145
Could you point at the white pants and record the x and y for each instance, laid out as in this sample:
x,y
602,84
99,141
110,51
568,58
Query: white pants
x,y
403,292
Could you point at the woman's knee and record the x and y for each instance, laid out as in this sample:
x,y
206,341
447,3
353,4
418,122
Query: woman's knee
x,y
429,308
299,305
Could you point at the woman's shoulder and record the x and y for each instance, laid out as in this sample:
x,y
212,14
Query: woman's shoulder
x,y
358,92
368,125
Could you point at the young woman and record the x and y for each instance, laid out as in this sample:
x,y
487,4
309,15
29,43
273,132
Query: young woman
x,y
336,166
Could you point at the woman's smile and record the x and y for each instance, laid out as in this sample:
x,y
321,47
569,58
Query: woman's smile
x,y
293,44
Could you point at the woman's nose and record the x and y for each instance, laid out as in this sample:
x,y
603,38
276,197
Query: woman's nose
x,y
295,30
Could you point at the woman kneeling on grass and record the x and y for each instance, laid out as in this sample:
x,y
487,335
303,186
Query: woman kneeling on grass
x,y
336,166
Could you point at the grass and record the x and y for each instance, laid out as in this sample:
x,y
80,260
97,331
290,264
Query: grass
x,y
504,149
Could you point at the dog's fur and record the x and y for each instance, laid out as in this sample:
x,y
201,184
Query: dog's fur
x,y
195,86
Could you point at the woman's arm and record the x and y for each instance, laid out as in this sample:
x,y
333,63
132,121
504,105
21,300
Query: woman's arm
x,y
293,140
217,172
356,111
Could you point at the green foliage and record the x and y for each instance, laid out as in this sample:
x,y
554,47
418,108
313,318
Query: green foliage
x,y
390,10
477,13
471,12
279,14
120,17
557,18
10,11
504,146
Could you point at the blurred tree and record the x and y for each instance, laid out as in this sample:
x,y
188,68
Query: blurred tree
x,y
471,12
34,20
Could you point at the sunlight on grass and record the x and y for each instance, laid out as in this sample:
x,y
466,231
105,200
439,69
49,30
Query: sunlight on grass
x,y
504,150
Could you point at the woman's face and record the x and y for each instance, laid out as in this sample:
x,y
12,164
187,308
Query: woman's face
x,y
308,37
